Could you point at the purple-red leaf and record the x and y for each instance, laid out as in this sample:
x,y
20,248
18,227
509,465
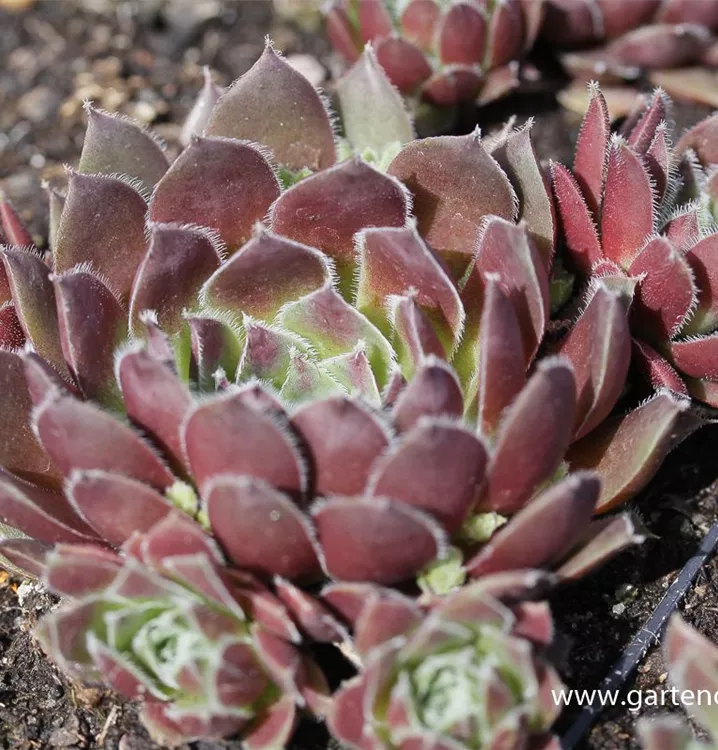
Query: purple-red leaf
x,y
589,164
275,105
219,183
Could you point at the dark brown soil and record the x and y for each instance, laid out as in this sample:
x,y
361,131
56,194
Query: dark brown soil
x,y
149,60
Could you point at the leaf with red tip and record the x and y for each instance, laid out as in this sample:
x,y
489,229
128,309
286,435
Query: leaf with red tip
x,y
703,261
78,435
702,139
415,338
373,112
341,465
201,112
116,506
395,261
437,467
463,34
11,224
659,162
505,34
170,726
627,451
589,164
326,210
696,357
26,555
665,293
215,345
501,366
269,272
419,21
644,131
347,721
154,398
605,539
543,531
260,529
80,570
599,348
518,158
375,539
116,145
374,20
655,369
226,436
684,228
533,438
353,372
579,230
103,223
275,105
92,325
34,300
40,513
627,215
12,337
433,391
268,353
404,63
455,183
20,452
506,249
219,183
179,260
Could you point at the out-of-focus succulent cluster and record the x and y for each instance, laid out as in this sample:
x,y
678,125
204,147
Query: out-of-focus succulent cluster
x,y
625,221
633,36
692,662
285,357
444,52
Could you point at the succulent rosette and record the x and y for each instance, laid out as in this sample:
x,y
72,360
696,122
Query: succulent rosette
x,y
622,225
443,52
692,662
463,672
209,651
624,38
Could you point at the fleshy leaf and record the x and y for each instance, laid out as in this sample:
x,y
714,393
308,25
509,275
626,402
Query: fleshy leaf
x,y
589,164
275,105
117,145
11,225
395,261
543,531
533,438
199,116
219,183
103,223
703,261
178,261
375,539
12,337
341,465
326,210
462,36
696,357
702,139
267,353
655,369
455,183
266,274
226,436
627,451
215,346
78,435
627,212
92,325
415,338
259,528
404,63
665,293
34,300
599,348
437,467
373,112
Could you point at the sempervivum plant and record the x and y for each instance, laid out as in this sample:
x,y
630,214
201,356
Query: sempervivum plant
x,y
209,651
445,52
692,662
465,672
622,224
635,35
